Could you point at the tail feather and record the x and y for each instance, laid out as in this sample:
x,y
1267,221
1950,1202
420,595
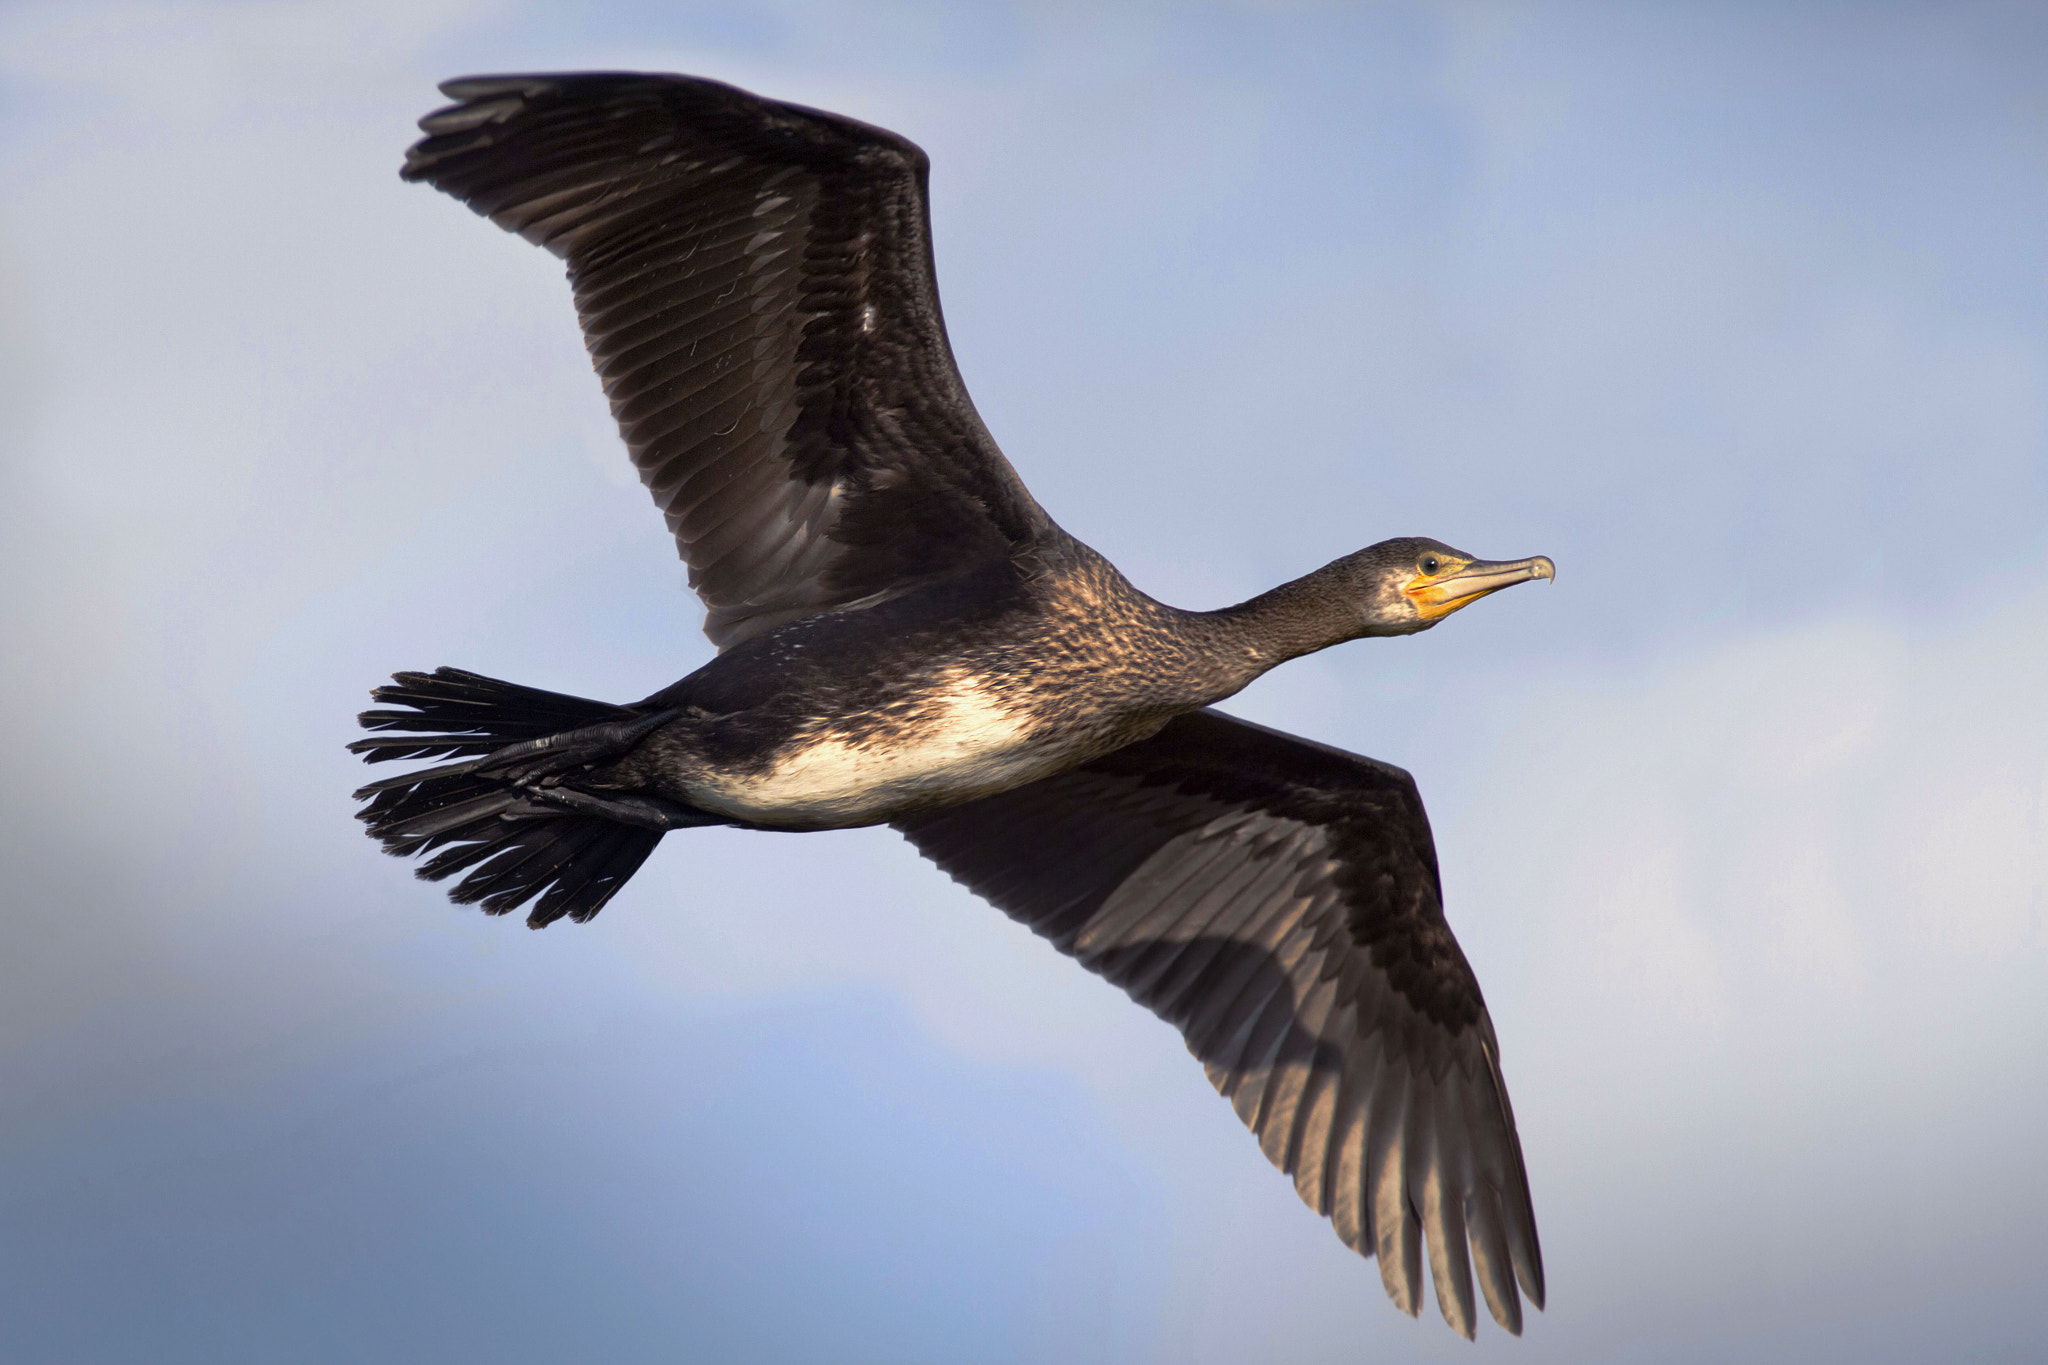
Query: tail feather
x,y
580,861
467,713
474,812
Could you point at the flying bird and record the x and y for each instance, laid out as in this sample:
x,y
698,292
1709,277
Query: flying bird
x,y
907,638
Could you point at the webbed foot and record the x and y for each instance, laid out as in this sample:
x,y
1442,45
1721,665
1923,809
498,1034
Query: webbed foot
x,y
646,812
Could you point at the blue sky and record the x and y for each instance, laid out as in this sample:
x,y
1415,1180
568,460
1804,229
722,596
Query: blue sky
x,y
1738,312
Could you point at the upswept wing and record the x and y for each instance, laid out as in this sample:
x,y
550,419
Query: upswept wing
x,y
755,285
1278,902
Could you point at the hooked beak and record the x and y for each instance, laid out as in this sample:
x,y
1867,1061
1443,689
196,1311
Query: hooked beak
x,y
1436,598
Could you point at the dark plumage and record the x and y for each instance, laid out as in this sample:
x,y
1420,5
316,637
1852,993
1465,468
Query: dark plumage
x,y
906,637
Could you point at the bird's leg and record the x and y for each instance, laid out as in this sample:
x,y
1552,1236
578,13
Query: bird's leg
x,y
646,812
569,749
538,767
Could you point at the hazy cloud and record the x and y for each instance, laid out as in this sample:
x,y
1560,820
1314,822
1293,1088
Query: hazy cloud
x,y
1741,315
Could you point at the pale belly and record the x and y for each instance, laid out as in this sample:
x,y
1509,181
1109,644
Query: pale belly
x,y
961,744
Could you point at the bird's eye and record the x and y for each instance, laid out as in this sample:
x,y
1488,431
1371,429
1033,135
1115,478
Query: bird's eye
x,y
1429,564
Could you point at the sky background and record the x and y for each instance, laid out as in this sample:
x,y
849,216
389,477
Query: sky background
x,y
1739,312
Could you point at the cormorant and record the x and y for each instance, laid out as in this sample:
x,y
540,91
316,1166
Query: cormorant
x,y
907,638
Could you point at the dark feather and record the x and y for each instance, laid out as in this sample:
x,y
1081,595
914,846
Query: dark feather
x,y
471,810
755,283
1278,901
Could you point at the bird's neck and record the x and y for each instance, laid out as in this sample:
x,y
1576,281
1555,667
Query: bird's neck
x,y
1296,618
1177,658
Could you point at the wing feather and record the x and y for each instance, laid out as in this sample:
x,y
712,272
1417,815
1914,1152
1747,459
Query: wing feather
x,y
1308,1146
1206,934
1490,1259
1440,1167
1231,1007
1344,1182
755,283
1279,1116
1278,902
1396,1226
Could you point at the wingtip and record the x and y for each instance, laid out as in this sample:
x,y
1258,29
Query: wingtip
x,y
1461,1313
1528,1263
480,101
474,87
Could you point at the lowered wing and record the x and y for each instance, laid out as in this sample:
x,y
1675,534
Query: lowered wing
x,y
1278,902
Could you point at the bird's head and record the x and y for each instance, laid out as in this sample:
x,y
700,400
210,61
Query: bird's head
x,y
1411,583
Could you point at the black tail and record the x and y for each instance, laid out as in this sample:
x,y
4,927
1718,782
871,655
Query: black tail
x,y
575,862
